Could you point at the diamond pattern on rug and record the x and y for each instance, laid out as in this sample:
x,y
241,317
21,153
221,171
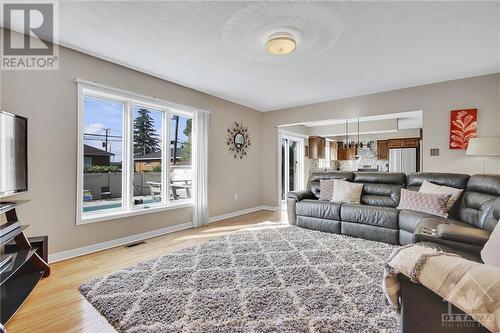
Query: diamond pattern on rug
x,y
268,278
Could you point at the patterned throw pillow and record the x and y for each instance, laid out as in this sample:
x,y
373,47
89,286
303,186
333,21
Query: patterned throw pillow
x,y
428,187
431,203
326,189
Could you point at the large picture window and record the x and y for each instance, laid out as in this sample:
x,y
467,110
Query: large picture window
x,y
134,156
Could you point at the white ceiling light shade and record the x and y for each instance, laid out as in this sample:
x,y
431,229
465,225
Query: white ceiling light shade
x,y
281,43
310,29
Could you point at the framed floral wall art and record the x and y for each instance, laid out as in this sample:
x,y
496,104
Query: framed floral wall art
x,y
463,127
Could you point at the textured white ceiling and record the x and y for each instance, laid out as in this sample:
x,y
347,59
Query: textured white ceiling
x,y
377,46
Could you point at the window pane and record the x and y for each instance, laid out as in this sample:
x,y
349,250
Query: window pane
x,y
147,156
102,138
180,157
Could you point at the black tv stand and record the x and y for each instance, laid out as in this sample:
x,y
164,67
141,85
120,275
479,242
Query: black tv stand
x,y
4,205
25,270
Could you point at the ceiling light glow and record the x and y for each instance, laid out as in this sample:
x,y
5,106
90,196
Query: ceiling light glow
x,y
280,43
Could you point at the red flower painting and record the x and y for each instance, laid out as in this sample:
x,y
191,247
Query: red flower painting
x,y
463,127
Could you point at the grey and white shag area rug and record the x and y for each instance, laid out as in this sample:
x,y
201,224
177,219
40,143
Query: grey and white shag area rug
x,y
267,278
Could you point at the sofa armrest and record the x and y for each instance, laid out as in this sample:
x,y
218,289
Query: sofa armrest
x,y
300,195
463,234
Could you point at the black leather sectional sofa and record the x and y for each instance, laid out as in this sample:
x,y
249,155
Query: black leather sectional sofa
x,y
471,219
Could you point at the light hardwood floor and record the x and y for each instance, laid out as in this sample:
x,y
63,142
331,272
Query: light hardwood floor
x,y
56,305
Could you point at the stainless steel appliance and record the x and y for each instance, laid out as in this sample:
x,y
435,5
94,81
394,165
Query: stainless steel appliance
x,y
403,160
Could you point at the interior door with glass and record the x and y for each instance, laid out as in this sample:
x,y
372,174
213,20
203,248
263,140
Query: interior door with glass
x,y
291,165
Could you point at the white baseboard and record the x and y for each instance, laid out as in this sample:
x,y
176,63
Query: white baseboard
x,y
154,233
115,242
241,212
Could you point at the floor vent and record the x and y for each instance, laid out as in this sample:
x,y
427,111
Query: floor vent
x,y
128,246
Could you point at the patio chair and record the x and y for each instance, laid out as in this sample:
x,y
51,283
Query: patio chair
x,y
155,189
105,192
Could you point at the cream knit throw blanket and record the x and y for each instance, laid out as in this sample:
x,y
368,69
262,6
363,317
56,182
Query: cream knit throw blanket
x,y
472,287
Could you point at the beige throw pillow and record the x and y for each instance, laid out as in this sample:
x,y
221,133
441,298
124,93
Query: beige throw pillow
x,y
428,187
346,192
434,204
326,189
490,254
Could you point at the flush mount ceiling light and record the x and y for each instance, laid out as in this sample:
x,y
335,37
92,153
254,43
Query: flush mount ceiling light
x,y
280,43
311,28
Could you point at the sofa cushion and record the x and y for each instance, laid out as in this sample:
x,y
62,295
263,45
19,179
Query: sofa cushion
x,y
478,204
487,184
315,223
433,222
319,209
456,180
313,183
386,217
394,178
385,195
381,188
408,219
370,232
463,234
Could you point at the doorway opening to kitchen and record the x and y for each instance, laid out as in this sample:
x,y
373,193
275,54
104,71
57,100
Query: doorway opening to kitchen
x,y
379,143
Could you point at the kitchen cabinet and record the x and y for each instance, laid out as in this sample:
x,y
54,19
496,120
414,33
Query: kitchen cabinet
x,y
333,151
404,143
345,154
410,143
317,147
394,143
383,149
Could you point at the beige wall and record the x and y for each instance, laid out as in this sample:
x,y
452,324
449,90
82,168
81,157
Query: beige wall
x,y
436,101
49,100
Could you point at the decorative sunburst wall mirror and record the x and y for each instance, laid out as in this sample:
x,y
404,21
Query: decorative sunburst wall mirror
x,y
238,140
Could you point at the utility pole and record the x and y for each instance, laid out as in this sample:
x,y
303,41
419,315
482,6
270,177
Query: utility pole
x,y
107,130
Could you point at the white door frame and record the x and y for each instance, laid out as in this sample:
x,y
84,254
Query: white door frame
x,y
300,154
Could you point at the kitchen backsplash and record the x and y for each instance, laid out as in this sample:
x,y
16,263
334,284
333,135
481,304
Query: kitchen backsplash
x,y
363,162
366,159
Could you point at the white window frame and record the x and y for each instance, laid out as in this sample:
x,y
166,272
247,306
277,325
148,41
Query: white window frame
x,y
94,90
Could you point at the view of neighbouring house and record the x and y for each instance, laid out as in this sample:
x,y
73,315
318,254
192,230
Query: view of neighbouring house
x,y
93,156
152,161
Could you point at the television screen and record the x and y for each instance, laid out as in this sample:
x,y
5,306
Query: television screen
x,y
13,154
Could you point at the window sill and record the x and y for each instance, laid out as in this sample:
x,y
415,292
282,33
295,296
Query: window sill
x,y
106,216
